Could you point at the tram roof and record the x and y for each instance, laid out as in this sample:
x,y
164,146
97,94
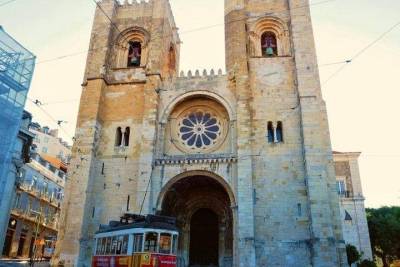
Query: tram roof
x,y
150,222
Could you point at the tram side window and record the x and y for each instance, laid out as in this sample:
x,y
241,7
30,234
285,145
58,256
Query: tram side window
x,y
119,244
150,243
137,242
108,246
114,245
98,246
165,243
124,245
175,245
103,246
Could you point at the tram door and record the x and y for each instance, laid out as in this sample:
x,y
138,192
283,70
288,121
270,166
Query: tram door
x,y
204,238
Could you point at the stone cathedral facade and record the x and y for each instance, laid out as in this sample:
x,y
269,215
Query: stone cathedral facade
x,y
243,160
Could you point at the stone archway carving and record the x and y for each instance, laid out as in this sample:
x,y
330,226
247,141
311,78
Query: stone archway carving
x,y
180,176
189,192
197,94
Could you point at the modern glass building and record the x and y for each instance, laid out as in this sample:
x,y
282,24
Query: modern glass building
x,y
16,70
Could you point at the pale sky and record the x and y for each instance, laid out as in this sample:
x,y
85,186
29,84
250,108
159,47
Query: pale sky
x,y
362,100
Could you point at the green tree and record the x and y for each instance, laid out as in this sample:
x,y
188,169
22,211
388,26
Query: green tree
x,y
352,254
367,263
384,229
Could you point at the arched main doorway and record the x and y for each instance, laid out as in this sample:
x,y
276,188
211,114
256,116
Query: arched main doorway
x,y
202,207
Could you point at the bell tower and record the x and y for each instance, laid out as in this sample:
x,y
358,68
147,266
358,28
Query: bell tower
x,y
272,68
134,48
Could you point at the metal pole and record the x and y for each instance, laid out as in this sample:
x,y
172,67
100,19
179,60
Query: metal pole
x,y
38,218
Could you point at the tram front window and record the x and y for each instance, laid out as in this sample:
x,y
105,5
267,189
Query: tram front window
x,y
175,245
150,243
137,242
165,243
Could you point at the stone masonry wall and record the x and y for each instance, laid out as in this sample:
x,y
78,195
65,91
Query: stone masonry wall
x,y
283,195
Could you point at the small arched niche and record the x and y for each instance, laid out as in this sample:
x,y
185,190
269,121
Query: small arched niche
x,y
170,66
269,37
131,48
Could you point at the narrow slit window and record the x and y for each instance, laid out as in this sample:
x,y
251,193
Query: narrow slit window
x,y
171,60
118,137
270,132
128,203
269,44
299,210
126,136
279,132
135,54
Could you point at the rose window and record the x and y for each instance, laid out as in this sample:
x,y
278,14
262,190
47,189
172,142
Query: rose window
x,y
199,130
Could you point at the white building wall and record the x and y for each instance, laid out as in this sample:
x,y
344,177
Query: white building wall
x,y
355,229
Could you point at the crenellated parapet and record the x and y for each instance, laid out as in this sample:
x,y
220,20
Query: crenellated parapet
x,y
129,2
204,74
135,3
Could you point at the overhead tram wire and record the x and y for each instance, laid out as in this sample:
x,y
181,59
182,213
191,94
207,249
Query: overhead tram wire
x,y
59,102
39,105
183,32
6,3
105,14
361,52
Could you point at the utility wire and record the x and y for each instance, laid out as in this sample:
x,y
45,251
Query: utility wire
x,y
183,32
6,3
361,52
105,14
39,105
59,102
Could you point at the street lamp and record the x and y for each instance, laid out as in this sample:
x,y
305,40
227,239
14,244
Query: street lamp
x,y
38,219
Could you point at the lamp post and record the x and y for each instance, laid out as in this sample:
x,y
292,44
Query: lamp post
x,y
38,219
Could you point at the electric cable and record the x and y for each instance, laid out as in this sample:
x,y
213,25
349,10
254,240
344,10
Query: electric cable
x,y
105,14
38,104
183,32
361,52
6,3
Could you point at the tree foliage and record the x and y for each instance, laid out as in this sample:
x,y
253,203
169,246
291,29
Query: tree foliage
x,y
367,263
384,229
352,254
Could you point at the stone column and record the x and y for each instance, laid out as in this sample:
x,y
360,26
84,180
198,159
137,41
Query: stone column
x,y
77,228
146,168
237,67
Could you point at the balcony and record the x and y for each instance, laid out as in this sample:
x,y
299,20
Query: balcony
x,y
346,194
33,217
43,196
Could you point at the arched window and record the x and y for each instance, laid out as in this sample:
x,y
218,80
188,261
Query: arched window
x,y
126,136
270,133
269,44
279,132
135,54
118,137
